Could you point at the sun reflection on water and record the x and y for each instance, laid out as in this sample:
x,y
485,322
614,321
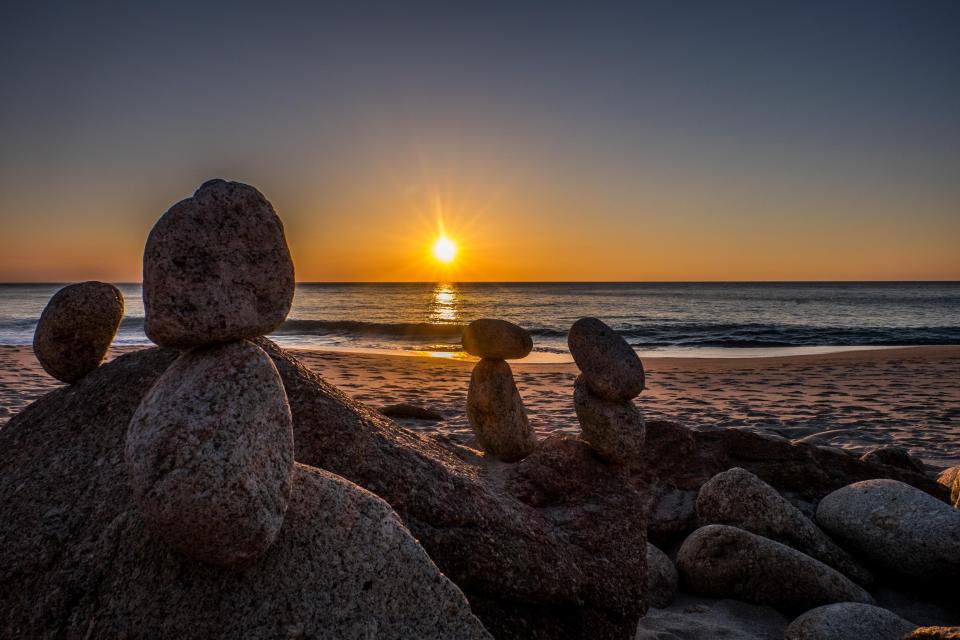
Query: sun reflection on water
x,y
444,303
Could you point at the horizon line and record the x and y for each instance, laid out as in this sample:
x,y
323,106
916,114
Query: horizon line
x,y
392,282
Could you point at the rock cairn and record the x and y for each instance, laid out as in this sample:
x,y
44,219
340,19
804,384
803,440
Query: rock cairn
x,y
611,375
494,407
76,329
209,451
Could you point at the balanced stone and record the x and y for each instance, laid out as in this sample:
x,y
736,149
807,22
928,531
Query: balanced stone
x,y
76,329
738,498
896,526
209,454
610,366
661,578
726,562
496,413
216,268
491,338
614,429
848,621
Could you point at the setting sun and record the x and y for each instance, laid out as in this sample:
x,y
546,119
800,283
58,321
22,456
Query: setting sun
x,y
444,249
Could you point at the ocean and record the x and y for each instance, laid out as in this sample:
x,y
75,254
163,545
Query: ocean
x,y
666,319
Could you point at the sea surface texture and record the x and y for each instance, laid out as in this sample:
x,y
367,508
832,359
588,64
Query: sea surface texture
x,y
692,319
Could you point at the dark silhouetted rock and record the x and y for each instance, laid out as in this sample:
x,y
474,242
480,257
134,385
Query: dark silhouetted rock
x,y
610,366
740,499
496,413
661,578
848,621
76,329
552,547
894,456
683,459
209,454
216,268
726,562
896,526
614,429
497,339
404,411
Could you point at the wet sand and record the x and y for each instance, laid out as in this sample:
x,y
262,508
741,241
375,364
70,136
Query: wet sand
x,y
854,399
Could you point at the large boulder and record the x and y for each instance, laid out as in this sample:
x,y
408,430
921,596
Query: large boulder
x,y
497,339
896,526
209,453
662,578
610,366
848,621
614,429
216,268
552,547
496,412
726,562
76,329
740,499
683,459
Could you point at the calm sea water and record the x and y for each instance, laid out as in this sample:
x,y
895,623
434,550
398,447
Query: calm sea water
x,y
699,319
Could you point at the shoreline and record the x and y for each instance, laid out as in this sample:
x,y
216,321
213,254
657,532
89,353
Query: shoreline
x,y
853,399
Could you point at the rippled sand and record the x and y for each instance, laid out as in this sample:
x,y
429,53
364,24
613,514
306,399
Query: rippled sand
x,y
855,400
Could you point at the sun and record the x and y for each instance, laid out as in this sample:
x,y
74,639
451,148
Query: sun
x,y
444,249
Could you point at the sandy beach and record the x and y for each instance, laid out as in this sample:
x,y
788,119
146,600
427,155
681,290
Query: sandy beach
x,y
853,399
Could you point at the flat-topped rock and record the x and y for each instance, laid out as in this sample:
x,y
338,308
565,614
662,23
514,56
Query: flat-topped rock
x,y
896,526
496,413
492,338
726,562
610,366
76,329
614,429
848,621
209,453
216,268
738,498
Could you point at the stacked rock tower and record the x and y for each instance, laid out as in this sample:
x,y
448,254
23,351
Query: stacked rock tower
x,y
494,407
611,376
209,451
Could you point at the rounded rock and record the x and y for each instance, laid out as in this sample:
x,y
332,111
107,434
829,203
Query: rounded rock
x,y
610,366
726,562
496,412
661,578
209,454
615,430
848,621
216,268
76,329
894,456
740,499
498,339
896,526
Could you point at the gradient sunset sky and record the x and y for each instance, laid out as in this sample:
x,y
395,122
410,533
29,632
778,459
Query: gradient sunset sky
x,y
557,141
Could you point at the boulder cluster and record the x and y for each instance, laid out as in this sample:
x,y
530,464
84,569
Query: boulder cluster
x,y
209,450
494,407
611,376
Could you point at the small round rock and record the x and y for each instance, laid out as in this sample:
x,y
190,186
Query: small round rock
x,y
216,268
499,339
76,329
209,454
846,620
610,366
